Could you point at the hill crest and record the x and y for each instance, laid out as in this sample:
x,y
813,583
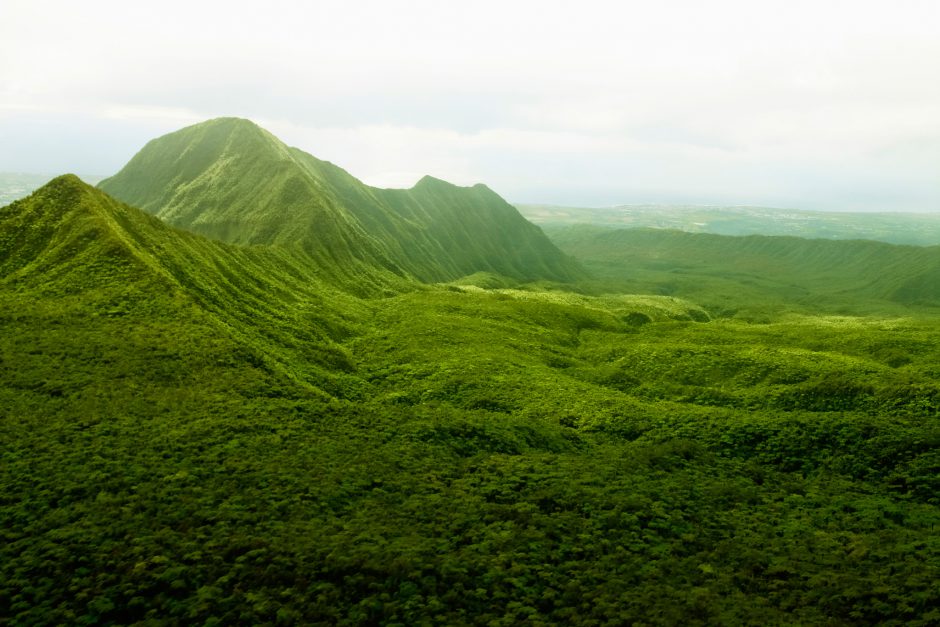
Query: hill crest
x,y
68,235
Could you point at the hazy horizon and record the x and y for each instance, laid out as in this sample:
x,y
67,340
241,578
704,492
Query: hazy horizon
x,y
795,105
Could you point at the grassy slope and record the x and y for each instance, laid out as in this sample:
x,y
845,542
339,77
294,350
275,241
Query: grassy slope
x,y
727,273
197,432
231,180
86,251
473,229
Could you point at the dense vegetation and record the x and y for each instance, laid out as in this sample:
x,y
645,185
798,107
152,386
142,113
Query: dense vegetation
x,y
196,432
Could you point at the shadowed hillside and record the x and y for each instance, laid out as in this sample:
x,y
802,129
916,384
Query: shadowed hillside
x,y
231,180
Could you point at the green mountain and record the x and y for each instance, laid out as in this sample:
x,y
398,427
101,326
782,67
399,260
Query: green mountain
x,y
199,432
230,180
79,250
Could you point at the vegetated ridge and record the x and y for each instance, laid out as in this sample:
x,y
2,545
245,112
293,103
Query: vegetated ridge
x,y
76,246
199,432
712,268
231,180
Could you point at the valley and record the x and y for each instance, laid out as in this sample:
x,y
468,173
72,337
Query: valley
x,y
920,229
237,386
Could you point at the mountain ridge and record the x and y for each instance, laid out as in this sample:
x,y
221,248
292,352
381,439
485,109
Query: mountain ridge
x,y
231,180
73,242
63,220
217,453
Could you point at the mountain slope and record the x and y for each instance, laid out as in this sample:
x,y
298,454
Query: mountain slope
x,y
789,270
71,246
67,236
169,454
473,229
231,180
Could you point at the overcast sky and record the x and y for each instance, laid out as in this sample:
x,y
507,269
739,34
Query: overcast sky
x,y
821,104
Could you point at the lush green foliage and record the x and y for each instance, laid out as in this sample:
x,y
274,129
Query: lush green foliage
x,y
193,432
752,275
230,180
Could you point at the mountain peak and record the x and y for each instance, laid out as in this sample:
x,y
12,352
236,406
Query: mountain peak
x,y
68,231
230,120
428,181
64,183
66,180
228,125
64,193
231,180
68,200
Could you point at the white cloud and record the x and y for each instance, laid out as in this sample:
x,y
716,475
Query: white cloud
x,y
760,101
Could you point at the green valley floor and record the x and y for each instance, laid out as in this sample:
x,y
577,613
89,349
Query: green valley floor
x,y
491,457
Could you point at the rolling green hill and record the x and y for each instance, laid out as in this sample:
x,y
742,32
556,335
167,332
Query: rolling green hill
x,y
725,272
199,432
230,180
